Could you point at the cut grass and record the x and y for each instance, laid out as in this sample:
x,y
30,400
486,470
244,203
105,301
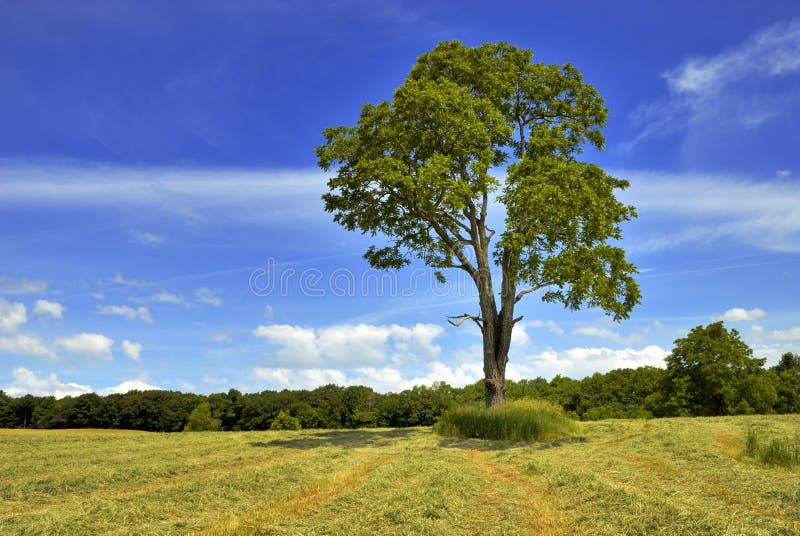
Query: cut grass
x,y
522,420
670,476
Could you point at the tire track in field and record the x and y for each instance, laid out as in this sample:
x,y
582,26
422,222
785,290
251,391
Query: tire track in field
x,y
542,515
152,485
259,519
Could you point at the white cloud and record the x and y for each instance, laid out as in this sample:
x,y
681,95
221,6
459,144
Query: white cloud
x,y
605,333
44,307
194,194
98,296
788,335
147,239
122,281
27,345
13,286
551,326
141,313
168,297
128,385
738,314
132,349
727,89
221,337
298,344
708,207
580,362
351,344
26,382
87,344
300,379
783,173
207,296
12,316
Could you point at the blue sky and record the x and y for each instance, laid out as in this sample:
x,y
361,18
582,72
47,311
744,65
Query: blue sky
x,y
160,219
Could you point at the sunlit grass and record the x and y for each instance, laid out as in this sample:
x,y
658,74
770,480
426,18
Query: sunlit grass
x,y
781,451
664,476
523,420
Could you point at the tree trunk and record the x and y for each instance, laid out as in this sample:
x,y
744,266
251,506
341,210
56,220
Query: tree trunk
x,y
496,342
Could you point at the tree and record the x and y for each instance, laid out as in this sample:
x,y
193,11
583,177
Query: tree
x,y
712,371
200,419
284,421
418,170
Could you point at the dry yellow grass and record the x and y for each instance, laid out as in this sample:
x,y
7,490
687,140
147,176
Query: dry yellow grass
x,y
671,476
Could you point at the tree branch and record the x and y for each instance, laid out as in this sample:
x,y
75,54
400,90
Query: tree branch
x,y
463,318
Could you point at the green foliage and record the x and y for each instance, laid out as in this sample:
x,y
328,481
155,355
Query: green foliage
x,y
416,170
529,420
779,451
200,420
284,421
711,371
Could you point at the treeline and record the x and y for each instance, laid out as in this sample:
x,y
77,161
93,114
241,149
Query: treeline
x,y
709,372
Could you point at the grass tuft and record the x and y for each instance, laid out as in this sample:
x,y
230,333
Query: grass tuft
x,y
522,420
779,451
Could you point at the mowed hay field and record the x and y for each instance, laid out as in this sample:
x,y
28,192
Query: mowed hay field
x,y
670,476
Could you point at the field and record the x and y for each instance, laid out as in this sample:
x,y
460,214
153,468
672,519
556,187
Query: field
x,y
671,476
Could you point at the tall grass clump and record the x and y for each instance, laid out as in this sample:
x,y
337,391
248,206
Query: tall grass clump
x,y
781,451
521,420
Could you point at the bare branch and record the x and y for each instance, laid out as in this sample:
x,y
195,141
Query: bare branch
x,y
463,318
517,319
522,293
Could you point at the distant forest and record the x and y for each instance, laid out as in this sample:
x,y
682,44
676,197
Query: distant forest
x,y
710,372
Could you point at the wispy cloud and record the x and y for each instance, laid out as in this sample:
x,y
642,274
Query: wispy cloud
x,y
9,285
706,207
167,297
207,296
194,194
727,88
140,313
147,239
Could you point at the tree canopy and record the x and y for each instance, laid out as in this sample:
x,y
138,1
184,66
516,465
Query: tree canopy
x,y
419,171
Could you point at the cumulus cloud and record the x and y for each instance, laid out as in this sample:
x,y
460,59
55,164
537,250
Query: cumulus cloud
x,y
12,316
140,313
348,344
132,350
26,382
9,285
382,379
207,296
87,344
53,309
738,314
128,385
23,344
580,362
300,379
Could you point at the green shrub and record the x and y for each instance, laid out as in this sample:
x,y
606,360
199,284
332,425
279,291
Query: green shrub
x,y
781,451
522,420
284,421
200,420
